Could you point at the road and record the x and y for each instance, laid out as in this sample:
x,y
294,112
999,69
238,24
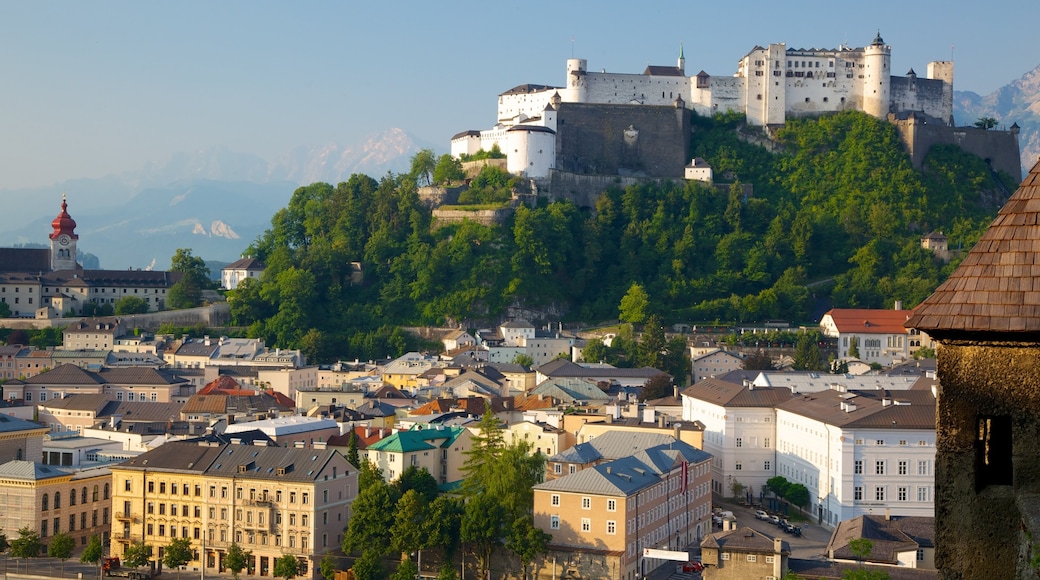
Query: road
x,y
810,546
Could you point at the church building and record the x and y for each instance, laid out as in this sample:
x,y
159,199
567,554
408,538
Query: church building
x,y
49,283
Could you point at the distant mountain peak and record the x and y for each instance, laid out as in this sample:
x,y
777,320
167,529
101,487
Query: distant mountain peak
x,y
1016,102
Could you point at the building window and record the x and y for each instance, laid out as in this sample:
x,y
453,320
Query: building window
x,y
572,469
770,559
920,554
902,468
858,493
858,467
903,493
922,494
924,467
879,493
739,466
740,442
557,468
554,499
879,467
586,525
725,555
752,558
611,527
766,465
586,503
554,522
611,505
765,442
993,445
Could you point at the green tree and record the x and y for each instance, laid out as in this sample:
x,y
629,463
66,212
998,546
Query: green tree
x,y
368,474
527,541
807,354
407,533
369,566
371,520
60,547
738,490
187,292
423,164
287,566
652,343
778,485
656,387
757,361
177,553
797,494
131,305
406,570
634,305
482,524
854,347
352,449
924,352
523,360
26,545
861,549
482,458
137,554
418,479
595,351
237,559
328,567
93,553
443,526
986,123
5,310
448,170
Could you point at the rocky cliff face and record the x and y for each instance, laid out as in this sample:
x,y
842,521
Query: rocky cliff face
x,y
1015,102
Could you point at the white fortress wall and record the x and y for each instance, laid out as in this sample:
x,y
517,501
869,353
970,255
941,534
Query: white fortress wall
x,y
516,105
622,89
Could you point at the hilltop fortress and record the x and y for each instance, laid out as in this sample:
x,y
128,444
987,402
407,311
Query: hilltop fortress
x,y
638,125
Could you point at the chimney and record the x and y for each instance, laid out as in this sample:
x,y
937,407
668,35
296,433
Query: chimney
x,y
661,421
888,515
675,391
778,545
898,305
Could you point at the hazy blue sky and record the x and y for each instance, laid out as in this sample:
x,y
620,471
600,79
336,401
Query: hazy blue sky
x,y
92,88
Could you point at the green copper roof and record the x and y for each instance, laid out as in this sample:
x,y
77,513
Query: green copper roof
x,y
418,439
681,51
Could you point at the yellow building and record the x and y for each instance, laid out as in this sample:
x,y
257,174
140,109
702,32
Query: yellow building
x,y
440,449
269,500
53,500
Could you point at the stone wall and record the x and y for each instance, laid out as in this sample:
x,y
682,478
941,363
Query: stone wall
x,y
443,216
998,148
435,196
623,140
981,527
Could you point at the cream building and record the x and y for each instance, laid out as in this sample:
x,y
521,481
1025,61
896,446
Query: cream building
x,y
269,500
440,449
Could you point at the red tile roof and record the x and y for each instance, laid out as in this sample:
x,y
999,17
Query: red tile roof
x,y
869,320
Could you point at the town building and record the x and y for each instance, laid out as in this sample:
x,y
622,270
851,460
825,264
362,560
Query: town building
x,y
440,449
602,517
291,431
49,283
878,335
743,553
739,432
271,501
906,542
860,452
715,362
986,321
117,384
92,333
234,273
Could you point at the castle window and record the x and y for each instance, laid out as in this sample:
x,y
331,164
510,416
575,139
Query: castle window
x,y
806,99
993,445
825,99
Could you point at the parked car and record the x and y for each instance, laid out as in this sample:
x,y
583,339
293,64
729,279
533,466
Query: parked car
x,y
761,515
693,566
775,520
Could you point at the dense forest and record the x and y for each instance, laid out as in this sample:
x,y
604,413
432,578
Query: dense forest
x,y
837,213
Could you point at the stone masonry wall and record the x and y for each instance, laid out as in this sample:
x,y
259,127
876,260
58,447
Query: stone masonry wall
x,y
985,532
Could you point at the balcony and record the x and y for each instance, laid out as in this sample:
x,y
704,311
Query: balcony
x,y
126,517
264,503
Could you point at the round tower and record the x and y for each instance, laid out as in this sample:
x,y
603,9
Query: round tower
x,y
876,78
63,240
576,83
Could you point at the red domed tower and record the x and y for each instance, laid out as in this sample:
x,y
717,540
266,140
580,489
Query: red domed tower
x,y
63,240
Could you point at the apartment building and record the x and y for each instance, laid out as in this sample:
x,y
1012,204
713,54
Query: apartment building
x,y
269,500
440,449
602,517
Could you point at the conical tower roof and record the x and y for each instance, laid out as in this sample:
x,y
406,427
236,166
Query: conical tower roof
x,y
996,289
64,224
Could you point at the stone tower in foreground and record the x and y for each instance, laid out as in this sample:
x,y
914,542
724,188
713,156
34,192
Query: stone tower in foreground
x,y
986,320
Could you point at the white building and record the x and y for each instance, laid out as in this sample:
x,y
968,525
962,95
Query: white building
x,y
879,335
860,452
739,431
715,362
239,270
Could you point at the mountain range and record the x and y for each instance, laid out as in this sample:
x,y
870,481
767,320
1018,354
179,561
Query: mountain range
x,y
214,201
1015,102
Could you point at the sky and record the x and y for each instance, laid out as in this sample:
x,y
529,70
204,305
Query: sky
x,y
89,89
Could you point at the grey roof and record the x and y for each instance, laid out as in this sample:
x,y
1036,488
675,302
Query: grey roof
x,y
198,348
78,403
516,324
130,278
29,470
9,424
70,374
744,540
469,133
245,264
897,534
612,445
571,390
248,461
31,260
566,368
527,89
627,475
147,412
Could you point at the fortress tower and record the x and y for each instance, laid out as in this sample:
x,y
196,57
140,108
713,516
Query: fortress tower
x,y
876,78
63,240
577,87
942,70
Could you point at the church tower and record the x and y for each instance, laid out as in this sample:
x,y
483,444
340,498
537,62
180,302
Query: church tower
x,y
682,61
63,240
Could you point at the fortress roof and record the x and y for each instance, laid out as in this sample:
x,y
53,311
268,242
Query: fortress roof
x,y
664,71
470,133
527,89
997,286
531,129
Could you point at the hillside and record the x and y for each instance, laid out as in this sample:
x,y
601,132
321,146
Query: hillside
x,y
1015,102
838,203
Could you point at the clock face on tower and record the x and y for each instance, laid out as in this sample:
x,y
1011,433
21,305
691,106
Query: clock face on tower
x,y
63,240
